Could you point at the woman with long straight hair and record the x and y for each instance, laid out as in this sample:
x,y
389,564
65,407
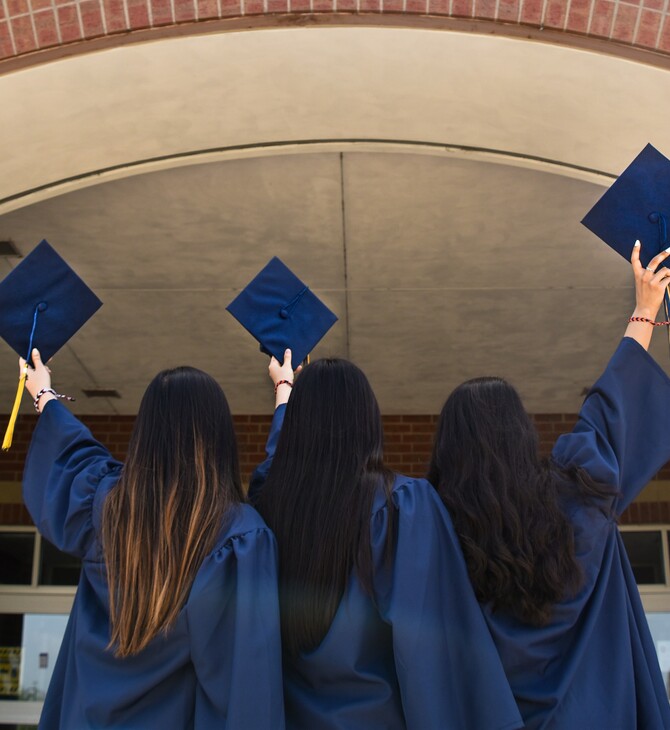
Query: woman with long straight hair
x,y
540,536
381,629
175,623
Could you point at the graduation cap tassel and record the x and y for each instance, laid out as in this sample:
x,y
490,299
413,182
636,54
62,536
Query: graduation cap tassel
x,y
9,433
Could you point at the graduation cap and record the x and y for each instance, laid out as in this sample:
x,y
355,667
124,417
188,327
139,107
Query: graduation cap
x,y
42,304
281,312
636,206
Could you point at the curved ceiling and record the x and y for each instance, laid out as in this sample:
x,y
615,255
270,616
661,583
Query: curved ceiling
x,y
427,184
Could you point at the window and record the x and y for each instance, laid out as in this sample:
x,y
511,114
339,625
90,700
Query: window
x,y
648,551
28,559
16,557
37,586
646,555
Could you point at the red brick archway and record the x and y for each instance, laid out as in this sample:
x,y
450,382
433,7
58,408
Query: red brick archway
x,y
35,30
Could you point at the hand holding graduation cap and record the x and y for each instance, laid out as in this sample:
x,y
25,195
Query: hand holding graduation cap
x,y
39,378
650,287
279,372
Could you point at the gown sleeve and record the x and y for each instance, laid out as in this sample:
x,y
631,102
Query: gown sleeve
x,y
233,618
64,469
448,669
261,471
622,436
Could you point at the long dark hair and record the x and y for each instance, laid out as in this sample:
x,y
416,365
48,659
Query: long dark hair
x,y
506,502
164,516
319,493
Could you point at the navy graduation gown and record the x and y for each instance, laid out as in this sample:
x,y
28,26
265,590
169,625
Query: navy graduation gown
x,y
418,655
218,667
594,666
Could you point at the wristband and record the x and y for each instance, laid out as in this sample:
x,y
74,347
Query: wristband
x,y
42,392
282,382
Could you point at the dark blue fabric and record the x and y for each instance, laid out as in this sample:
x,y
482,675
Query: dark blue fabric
x,y
280,311
636,206
594,666
43,280
418,654
219,667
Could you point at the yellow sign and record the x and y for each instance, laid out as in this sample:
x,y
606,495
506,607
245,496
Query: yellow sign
x,y
10,666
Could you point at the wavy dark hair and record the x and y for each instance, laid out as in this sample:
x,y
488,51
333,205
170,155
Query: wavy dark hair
x,y
165,514
505,501
319,494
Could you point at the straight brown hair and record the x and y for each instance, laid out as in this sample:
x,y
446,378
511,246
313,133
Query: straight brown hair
x,y
163,517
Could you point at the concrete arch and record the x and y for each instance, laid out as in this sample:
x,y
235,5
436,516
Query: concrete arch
x,y
167,172
149,105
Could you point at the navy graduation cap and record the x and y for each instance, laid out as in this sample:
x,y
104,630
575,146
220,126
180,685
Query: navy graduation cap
x,y
636,206
281,312
42,304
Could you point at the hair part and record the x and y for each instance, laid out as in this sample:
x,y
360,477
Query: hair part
x,y
167,510
319,493
505,501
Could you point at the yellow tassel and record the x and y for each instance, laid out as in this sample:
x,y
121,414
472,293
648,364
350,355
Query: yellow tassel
x,y
9,433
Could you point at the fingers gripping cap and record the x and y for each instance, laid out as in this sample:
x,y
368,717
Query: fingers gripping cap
x,y
636,206
281,312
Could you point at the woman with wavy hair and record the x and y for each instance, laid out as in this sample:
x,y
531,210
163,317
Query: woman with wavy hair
x,y
381,629
175,623
540,537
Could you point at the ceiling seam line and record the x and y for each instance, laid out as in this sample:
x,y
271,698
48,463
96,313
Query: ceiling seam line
x,y
344,256
194,154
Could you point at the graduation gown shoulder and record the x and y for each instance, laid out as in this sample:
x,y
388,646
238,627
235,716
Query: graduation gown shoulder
x,y
218,667
594,664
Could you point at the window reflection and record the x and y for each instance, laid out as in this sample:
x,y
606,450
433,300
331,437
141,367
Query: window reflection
x,y
659,625
28,650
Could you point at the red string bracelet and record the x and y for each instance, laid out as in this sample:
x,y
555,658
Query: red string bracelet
x,y
282,382
649,321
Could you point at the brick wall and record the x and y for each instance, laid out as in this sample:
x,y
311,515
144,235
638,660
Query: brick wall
x,y
408,446
27,26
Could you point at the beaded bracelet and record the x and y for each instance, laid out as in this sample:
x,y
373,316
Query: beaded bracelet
x,y
282,382
53,392
649,321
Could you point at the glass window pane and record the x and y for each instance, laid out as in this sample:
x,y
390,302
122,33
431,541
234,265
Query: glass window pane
x,y
11,631
659,625
57,568
645,552
29,645
16,557
42,637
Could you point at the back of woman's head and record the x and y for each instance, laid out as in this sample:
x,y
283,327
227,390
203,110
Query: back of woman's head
x,y
318,496
332,420
160,521
484,427
504,501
